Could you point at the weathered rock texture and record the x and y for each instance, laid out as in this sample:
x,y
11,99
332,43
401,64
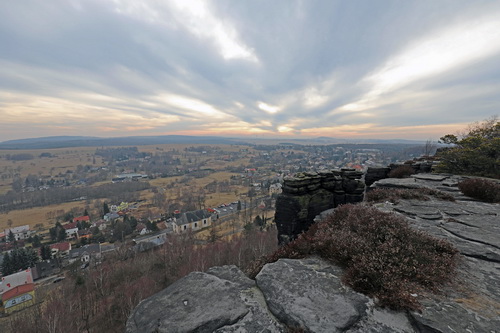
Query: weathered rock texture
x,y
374,174
308,194
473,303
308,293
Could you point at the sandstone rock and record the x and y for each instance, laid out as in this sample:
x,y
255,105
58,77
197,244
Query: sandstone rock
x,y
472,303
397,183
308,194
429,176
222,300
308,294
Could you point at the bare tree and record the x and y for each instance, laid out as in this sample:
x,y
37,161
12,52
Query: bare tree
x,y
429,147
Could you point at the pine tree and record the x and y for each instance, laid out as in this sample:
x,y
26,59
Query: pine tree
x,y
46,252
105,208
7,264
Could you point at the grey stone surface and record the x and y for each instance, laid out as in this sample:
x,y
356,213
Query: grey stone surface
x,y
222,300
472,303
308,194
397,183
188,306
430,176
308,294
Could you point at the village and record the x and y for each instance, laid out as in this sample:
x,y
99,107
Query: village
x,y
212,192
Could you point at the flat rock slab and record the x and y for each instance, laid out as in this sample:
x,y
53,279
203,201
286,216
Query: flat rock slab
x,y
308,294
428,213
430,176
472,303
222,300
188,306
397,183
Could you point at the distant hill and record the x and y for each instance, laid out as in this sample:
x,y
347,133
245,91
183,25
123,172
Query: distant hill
x,y
83,141
86,141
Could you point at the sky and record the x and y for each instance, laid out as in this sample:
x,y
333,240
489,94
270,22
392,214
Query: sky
x,y
261,69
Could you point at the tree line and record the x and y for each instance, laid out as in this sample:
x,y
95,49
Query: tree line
x,y
22,200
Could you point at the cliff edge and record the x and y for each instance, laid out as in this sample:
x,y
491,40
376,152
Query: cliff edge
x,y
308,295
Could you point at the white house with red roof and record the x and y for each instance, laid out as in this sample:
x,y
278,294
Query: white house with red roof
x,y
61,249
71,230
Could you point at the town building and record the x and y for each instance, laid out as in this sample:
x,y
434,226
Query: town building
x,y
193,221
21,232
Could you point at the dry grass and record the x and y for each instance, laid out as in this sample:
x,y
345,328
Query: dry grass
x,y
65,159
36,215
69,158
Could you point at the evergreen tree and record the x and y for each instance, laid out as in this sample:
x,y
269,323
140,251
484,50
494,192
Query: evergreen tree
x,y
105,208
36,241
19,259
46,252
7,264
61,234
11,236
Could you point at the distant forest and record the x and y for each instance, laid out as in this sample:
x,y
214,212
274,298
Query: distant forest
x,y
119,192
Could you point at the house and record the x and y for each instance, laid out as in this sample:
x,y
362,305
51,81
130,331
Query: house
x,y
275,189
194,220
150,241
71,230
17,279
19,297
85,253
141,229
46,268
85,218
82,219
21,232
101,225
110,217
60,249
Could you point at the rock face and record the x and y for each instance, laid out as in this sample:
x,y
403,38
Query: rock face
x,y
308,293
473,303
374,174
224,300
221,300
308,194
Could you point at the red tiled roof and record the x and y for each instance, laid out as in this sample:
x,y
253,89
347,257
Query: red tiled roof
x,y
69,226
19,290
81,218
64,246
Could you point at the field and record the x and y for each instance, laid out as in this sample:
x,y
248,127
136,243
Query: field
x,y
66,160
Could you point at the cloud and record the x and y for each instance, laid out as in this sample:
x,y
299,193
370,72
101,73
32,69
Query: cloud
x,y
225,67
433,55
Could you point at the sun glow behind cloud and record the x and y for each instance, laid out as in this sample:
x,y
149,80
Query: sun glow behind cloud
x,y
193,16
438,52
224,68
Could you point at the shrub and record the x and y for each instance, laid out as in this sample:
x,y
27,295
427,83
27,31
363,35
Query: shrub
x,y
394,195
473,153
481,189
403,171
382,255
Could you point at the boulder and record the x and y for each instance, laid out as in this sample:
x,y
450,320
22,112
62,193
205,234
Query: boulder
x,y
222,300
308,294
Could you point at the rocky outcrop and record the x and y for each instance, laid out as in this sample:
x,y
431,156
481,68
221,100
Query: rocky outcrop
x,y
287,294
473,303
374,174
306,195
308,293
